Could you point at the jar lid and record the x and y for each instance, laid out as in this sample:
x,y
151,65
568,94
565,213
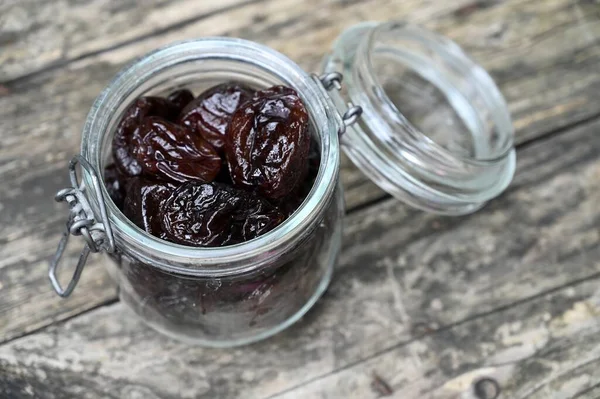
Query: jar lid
x,y
435,131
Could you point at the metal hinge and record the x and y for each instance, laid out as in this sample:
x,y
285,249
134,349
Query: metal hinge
x,y
333,80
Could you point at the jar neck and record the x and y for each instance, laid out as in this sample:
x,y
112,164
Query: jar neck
x,y
403,160
206,62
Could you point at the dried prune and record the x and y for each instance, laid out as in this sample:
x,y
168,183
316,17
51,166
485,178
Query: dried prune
x,y
115,184
268,143
135,113
163,154
213,215
143,203
172,152
180,98
254,217
210,113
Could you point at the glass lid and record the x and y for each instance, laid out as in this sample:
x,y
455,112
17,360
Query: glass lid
x,y
435,131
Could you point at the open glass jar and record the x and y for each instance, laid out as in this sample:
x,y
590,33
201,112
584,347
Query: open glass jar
x,y
242,293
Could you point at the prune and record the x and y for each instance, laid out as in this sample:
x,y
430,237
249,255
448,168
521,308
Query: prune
x,y
172,152
143,203
213,215
115,184
268,143
210,113
268,154
135,113
180,98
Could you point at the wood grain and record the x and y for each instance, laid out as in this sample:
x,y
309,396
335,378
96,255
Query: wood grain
x,y
542,53
56,33
548,347
37,35
428,303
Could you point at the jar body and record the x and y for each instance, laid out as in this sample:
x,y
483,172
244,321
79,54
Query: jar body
x,y
227,311
233,295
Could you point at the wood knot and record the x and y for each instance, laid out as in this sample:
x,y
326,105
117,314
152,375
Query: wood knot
x,y
380,386
421,328
486,388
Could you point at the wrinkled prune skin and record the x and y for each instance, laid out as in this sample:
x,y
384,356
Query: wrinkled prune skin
x,y
180,99
135,113
210,113
212,215
268,142
144,201
115,184
173,153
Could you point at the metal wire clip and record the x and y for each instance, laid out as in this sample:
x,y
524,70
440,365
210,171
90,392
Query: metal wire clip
x,y
333,80
97,233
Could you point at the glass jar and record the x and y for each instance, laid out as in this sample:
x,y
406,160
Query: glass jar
x,y
243,293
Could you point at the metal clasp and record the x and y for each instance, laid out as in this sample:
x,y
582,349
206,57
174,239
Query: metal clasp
x,y
333,80
96,233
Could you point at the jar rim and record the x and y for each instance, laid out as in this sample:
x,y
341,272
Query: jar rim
x,y
240,258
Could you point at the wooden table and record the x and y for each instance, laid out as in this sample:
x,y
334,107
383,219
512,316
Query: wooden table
x,y
421,306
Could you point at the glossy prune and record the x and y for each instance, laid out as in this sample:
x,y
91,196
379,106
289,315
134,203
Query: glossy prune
x,y
143,203
180,98
172,152
268,143
135,113
115,184
213,215
268,152
210,113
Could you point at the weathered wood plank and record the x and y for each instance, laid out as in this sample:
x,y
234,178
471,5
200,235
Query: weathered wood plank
x,y
402,273
39,34
41,117
545,348
35,39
